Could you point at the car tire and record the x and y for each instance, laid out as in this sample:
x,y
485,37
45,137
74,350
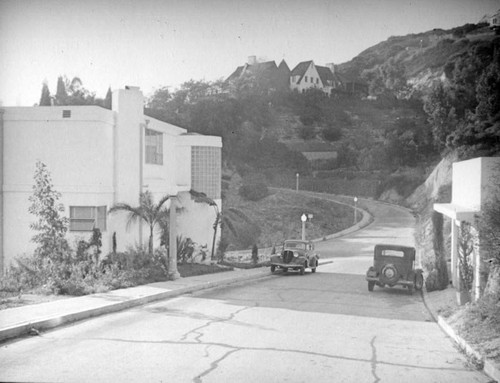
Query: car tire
x,y
285,270
371,285
389,275
313,270
302,270
273,268
419,281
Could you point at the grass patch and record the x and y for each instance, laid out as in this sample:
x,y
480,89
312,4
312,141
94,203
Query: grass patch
x,y
246,265
193,269
478,323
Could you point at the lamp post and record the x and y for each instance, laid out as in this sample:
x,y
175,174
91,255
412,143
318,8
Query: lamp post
x,y
355,210
297,182
303,218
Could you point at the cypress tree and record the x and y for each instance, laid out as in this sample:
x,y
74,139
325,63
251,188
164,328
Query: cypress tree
x,y
61,94
107,100
45,97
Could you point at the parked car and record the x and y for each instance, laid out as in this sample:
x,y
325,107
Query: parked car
x,y
394,265
296,255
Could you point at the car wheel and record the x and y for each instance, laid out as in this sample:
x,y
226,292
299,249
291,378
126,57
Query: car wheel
x,y
419,281
313,270
302,270
389,275
371,285
273,268
285,270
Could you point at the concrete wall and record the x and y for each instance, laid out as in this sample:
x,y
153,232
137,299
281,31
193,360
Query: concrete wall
x,y
96,157
78,153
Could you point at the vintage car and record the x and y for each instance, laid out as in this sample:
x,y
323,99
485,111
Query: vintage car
x,y
296,255
394,265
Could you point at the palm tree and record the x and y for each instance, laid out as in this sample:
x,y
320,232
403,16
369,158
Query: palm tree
x,y
147,211
224,218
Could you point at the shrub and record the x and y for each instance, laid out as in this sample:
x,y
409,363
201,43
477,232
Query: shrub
x,y
255,254
307,132
254,192
332,133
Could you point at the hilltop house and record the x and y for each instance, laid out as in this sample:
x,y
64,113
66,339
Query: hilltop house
x,y
98,157
267,74
307,75
492,20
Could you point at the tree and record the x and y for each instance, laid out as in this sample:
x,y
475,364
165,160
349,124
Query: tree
x,y
223,218
45,99
73,93
61,93
441,114
107,103
51,226
147,211
489,235
465,250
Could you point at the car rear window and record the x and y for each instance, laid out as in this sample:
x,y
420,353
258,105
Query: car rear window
x,y
295,245
392,253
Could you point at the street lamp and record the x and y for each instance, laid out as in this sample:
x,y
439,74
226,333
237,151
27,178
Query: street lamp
x,y
297,182
303,218
355,210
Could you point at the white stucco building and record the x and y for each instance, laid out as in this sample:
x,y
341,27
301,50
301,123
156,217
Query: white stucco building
x,y
474,183
99,157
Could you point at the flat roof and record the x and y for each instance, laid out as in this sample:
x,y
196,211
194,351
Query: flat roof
x,y
457,212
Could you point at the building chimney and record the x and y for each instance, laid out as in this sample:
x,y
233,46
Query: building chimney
x,y
331,66
252,60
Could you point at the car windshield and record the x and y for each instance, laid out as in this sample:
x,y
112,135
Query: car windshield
x,y
295,245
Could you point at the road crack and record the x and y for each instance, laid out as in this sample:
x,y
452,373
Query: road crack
x,y
213,366
198,330
374,360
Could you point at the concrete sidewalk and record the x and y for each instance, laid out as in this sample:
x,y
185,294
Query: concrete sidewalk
x,y
18,321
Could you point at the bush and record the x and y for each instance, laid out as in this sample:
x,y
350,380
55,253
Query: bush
x,y
307,132
254,192
81,276
332,133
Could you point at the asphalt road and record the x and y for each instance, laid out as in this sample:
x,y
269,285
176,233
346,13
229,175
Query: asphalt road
x,y
322,327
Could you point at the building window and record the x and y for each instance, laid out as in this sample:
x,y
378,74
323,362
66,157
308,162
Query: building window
x,y
66,113
154,147
305,79
87,218
317,81
206,170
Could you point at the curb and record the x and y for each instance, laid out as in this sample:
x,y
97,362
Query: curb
x,y
490,367
53,321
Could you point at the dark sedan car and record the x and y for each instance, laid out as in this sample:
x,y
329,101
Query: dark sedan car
x,y
296,255
394,265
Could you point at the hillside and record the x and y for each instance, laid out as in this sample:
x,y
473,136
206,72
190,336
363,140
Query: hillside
x,y
424,56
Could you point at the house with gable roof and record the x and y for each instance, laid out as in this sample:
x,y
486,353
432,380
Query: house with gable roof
x,y
307,75
266,73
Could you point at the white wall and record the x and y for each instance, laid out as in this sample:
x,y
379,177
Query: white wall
x,y
311,72
96,158
78,153
466,189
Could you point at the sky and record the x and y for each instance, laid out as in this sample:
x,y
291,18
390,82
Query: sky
x,y
158,43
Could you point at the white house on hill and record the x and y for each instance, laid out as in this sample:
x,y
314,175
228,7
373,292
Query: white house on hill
x,y
307,75
99,157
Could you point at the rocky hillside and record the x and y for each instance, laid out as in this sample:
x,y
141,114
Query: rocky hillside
x,y
424,56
